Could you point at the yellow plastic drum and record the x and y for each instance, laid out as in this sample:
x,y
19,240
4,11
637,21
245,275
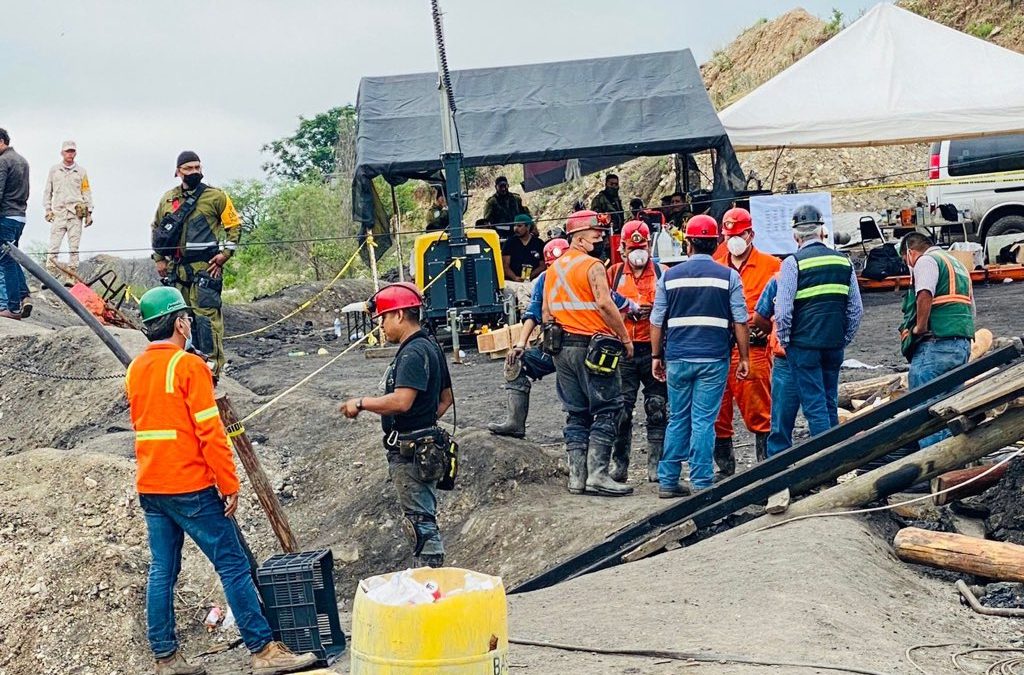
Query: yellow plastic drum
x,y
463,632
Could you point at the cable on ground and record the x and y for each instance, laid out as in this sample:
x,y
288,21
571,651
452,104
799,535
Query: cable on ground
x,y
61,376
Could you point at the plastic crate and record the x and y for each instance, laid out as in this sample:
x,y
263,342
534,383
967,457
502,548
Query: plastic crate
x,y
298,597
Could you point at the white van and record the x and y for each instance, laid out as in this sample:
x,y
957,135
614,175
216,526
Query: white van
x,y
984,175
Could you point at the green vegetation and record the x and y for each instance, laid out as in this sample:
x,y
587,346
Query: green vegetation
x,y
981,29
312,152
835,24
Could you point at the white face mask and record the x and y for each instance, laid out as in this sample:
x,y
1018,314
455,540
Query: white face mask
x,y
638,257
737,245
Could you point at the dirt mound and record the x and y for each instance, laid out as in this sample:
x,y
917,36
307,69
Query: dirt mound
x,y
828,591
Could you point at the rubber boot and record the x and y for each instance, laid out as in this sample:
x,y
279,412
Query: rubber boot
x,y
724,456
598,480
618,467
434,560
577,470
276,659
654,449
515,424
761,446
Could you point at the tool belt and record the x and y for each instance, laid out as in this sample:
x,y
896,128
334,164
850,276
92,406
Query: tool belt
x,y
432,451
603,354
552,338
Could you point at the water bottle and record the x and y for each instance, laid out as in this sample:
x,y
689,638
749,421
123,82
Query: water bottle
x,y
337,327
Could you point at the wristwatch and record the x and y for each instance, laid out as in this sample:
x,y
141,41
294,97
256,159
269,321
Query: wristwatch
x,y
655,357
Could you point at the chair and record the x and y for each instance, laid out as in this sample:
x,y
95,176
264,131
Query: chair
x,y
869,230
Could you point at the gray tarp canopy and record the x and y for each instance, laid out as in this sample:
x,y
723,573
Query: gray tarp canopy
x,y
644,104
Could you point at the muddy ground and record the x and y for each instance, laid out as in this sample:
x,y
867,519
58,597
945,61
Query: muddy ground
x,y
74,541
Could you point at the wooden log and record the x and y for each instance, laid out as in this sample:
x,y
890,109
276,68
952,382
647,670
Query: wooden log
x,y
999,387
952,479
989,559
257,477
865,389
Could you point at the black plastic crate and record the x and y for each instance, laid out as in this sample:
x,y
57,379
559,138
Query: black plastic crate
x,y
298,597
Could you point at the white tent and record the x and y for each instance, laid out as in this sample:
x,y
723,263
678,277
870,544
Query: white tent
x,y
890,77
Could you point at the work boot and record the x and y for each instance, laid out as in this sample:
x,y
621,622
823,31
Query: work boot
x,y
761,446
680,490
515,424
26,308
434,560
724,456
653,459
7,314
598,480
276,659
577,470
618,467
175,664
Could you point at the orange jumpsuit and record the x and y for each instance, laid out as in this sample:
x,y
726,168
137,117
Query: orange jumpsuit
x,y
754,394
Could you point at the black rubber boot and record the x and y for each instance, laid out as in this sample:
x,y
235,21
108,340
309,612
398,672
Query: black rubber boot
x,y
598,481
433,559
654,449
761,446
618,467
724,456
577,470
515,424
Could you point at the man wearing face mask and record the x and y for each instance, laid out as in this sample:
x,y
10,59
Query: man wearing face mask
x,y
187,484
580,318
636,279
608,201
938,315
817,313
195,232
753,394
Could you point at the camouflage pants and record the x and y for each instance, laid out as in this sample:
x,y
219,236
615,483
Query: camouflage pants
x,y
206,303
64,225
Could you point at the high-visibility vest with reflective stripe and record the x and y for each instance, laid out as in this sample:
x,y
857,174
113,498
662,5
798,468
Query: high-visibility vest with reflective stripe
x,y
822,293
569,297
952,312
698,315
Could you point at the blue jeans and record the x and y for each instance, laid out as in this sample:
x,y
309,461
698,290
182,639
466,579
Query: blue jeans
x,y
932,359
200,515
14,286
785,404
591,402
816,375
694,397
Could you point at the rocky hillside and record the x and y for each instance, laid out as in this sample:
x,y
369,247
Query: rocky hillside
x,y
755,56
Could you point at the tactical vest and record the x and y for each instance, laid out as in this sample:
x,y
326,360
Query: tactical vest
x,y
822,293
699,315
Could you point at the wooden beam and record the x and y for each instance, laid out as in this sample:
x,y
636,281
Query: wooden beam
x,y
989,559
864,389
660,541
778,502
257,477
1000,387
954,478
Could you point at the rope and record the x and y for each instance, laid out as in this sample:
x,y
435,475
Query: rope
x,y
59,376
932,495
307,303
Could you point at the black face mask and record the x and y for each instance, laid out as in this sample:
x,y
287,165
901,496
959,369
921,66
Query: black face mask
x,y
598,251
192,180
613,192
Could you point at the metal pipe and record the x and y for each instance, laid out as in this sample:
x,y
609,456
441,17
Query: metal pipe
x,y
58,289
976,605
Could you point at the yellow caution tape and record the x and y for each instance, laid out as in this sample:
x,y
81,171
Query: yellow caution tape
x,y
1016,178
235,430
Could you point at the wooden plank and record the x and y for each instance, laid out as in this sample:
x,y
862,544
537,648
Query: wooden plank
x,y
778,502
661,540
999,387
485,342
989,559
864,389
954,478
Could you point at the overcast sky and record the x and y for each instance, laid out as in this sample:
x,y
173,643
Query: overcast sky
x,y
136,82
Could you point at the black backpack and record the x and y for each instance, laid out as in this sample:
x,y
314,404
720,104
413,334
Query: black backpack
x,y
883,262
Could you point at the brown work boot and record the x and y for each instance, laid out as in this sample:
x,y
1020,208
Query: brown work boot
x,y
26,307
7,314
177,665
276,659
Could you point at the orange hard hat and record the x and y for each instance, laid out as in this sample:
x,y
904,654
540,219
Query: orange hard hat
x,y
582,220
402,295
702,227
736,221
554,249
636,234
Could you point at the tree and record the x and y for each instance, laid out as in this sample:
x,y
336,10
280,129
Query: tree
x,y
312,152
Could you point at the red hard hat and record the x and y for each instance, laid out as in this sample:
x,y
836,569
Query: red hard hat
x,y
402,295
736,221
635,234
554,249
582,220
702,227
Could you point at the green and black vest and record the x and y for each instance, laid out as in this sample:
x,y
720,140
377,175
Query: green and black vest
x,y
952,314
822,293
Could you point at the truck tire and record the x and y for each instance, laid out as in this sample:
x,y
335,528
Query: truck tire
x,y
1006,225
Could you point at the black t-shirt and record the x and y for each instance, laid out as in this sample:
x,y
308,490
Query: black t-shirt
x,y
531,254
420,365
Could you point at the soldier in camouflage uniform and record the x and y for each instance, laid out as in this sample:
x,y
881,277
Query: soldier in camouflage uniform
x,y
208,240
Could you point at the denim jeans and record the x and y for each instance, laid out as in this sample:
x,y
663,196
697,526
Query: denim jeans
x,y
536,365
417,499
785,404
694,397
932,359
15,288
591,402
200,515
816,376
